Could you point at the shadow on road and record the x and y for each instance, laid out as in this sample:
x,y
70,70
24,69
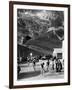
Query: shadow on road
x,y
28,74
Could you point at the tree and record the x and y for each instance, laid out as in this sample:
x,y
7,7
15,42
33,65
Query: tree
x,y
57,18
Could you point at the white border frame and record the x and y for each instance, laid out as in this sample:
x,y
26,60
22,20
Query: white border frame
x,y
16,82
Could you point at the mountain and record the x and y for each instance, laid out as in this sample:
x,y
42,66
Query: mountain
x,y
42,37
32,25
45,43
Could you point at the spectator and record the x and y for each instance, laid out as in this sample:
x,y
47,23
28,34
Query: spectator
x,y
53,64
56,65
34,65
59,66
42,68
19,69
48,65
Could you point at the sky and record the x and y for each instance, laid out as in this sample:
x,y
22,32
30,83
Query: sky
x,y
42,14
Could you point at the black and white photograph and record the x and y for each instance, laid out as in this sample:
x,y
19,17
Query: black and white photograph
x,y
40,44
40,41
